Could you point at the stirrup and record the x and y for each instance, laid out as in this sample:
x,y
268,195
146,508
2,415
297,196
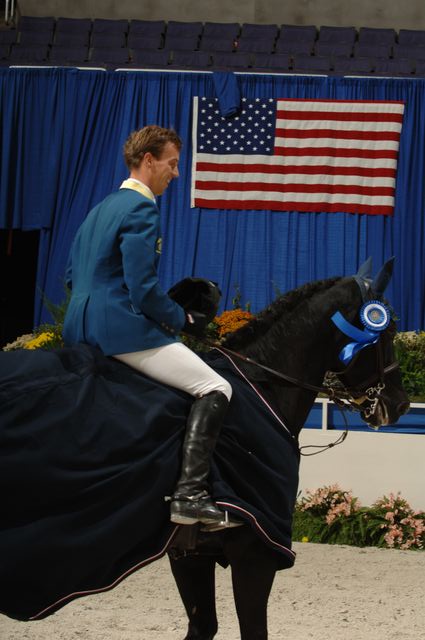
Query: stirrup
x,y
227,523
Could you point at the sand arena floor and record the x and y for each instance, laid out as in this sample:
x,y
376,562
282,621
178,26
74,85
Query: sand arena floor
x,y
332,592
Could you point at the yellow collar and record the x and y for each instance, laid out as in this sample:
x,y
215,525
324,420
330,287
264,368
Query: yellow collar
x,y
136,185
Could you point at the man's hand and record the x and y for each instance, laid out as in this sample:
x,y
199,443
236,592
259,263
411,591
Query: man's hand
x,y
195,324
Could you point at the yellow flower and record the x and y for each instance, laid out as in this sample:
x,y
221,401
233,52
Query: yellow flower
x,y
39,341
304,539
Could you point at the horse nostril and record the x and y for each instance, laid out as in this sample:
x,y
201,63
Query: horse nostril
x,y
403,408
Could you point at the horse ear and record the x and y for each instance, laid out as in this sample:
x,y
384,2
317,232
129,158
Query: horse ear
x,y
365,270
382,279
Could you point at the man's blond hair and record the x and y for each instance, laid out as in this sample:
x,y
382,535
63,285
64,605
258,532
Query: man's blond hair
x,y
149,139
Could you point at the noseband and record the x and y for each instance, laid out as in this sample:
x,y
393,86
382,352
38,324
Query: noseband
x,y
365,396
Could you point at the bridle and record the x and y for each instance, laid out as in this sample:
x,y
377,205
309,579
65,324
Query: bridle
x,y
363,397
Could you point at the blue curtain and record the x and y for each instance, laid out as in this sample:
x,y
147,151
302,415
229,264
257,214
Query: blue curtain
x,y
60,154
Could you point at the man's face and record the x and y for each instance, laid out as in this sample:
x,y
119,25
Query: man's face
x,y
163,169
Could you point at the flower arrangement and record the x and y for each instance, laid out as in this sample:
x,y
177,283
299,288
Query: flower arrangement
x,y
332,515
403,528
230,321
330,502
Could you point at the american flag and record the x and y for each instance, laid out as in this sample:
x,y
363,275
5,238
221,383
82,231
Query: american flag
x,y
297,155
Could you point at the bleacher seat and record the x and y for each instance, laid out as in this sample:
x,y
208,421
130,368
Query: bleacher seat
x,y
209,43
349,66
263,31
28,54
191,59
177,43
221,30
8,36
255,45
412,52
293,32
396,67
411,37
328,48
148,28
302,63
109,56
35,23
4,52
102,25
142,41
368,35
271,62
64,55
178,29
146,58
376,50
35,37
292,47
72,39
337,34
235,61
73,25
114,40
420,68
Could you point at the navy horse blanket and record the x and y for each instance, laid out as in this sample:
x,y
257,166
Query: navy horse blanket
x,y
89,449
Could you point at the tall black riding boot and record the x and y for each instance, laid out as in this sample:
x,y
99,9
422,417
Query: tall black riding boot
x,y
191,501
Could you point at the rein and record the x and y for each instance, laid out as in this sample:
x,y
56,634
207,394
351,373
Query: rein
x,y
344,399
331,392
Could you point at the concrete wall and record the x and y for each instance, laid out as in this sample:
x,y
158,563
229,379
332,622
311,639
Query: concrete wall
x,y
409,14
371,464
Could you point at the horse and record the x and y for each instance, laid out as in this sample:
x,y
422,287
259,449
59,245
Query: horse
x,y
295,334
92,448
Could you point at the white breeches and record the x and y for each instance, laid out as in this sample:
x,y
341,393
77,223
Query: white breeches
x,y
179,367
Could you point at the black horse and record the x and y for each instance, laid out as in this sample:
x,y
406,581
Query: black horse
x,y
295,334
90,448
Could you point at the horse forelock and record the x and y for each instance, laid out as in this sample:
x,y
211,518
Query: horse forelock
x,y
293,313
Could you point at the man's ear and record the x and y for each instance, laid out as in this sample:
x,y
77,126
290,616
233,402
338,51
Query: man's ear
x,y
147,159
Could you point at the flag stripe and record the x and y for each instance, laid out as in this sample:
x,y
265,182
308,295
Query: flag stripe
x,y
296,178
337,166
302,155
342,116
335,152
325,207
297,195
341,134
211,185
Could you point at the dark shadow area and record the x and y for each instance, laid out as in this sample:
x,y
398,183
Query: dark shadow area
x,y
18,267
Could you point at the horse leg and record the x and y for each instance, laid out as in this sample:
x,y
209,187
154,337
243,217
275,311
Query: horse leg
x,y
195,579
253,567
252,584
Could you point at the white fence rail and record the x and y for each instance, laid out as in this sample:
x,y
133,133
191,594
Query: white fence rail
x,y
370,463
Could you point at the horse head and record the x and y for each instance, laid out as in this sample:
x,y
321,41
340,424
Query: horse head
x,y
371,375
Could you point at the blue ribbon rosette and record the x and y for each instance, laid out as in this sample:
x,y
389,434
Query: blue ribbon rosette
x,y
375,316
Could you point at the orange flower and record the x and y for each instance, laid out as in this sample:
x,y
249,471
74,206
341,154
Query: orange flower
x,y
232,320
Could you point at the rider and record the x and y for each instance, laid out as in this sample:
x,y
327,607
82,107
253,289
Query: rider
x,y
118,305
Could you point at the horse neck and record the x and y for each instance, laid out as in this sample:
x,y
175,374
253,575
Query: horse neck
x,y
298,340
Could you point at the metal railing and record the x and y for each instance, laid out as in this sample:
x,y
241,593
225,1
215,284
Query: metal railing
x,y
9,11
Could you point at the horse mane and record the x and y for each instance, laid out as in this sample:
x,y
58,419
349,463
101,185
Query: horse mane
x,y
282,316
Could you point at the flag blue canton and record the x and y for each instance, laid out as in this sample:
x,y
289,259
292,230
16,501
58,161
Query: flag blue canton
x,y
252,131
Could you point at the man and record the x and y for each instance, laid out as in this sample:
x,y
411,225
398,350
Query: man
x,y
118,305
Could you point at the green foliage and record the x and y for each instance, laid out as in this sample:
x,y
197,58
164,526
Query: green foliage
x,y
410,354
57,311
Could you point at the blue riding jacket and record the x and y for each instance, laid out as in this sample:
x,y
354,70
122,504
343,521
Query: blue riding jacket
x,y
117,303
